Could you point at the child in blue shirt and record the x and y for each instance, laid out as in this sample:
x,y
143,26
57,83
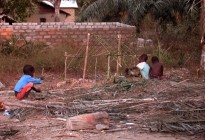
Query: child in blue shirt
x,y
26,83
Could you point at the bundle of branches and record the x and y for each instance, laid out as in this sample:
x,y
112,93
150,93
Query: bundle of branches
x,y
188,116
6,131
163,111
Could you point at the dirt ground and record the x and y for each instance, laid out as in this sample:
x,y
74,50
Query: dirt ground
x,y
38,125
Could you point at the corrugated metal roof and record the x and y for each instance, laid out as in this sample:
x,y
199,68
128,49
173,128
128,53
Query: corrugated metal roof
x,y
3,15
64,3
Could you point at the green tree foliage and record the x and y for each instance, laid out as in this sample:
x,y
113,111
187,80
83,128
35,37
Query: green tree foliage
x,y
84,3
21,9
134,11
18,9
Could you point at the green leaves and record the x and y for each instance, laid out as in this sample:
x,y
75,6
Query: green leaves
x,y
173,11
18,9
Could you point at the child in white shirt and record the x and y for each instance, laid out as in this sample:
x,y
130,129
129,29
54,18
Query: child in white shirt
x,y
143,66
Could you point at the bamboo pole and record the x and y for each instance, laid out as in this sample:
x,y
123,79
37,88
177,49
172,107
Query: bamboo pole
x,y
42,71
118,55
134,60
86,57
96,61
65,70
108,66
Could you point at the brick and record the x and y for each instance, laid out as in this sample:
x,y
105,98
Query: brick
x,y
106,29
42,33
78,23
1,24
74,36
21,31
73,32
4,34
47,36
24,27
38,37
103,23
16,24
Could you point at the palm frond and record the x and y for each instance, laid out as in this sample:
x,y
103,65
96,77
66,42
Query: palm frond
x,y
136,10
102,8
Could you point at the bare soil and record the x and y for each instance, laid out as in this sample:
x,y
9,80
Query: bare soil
x,y
36,124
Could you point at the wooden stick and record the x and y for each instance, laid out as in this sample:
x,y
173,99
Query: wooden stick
x,y
96,61
119,55
66,135
86,56
65,70
42,71
134,60
108,66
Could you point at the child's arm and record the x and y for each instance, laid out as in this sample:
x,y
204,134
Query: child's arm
x,y
35,89
35,80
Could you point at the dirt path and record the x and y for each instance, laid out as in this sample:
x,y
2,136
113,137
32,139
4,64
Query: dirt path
x,y
38,125
45,128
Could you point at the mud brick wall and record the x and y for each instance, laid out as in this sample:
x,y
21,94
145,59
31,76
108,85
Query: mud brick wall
x,y
56,33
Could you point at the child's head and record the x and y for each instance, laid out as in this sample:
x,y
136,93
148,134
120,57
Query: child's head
x,y
143,58
155,59
28,70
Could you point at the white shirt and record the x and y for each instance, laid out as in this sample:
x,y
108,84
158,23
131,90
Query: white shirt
x,y
144,69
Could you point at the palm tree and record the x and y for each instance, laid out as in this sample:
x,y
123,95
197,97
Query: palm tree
x,y
173,11
162,11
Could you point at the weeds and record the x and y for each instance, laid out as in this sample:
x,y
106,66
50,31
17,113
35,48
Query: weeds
x,y
177,47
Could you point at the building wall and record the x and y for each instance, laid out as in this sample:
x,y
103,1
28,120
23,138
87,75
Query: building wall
x,y
44,11
71,17
54,34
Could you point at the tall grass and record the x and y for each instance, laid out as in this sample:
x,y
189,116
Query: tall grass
x,y
181,47
14,54
177,47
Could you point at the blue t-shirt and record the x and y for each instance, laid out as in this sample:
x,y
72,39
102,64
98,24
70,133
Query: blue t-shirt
x,y
144,69
24,80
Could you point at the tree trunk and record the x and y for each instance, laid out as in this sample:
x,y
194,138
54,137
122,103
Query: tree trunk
x,y
87,121
56,4
203,35
57,10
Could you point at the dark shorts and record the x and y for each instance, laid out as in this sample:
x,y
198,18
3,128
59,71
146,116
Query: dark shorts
x,y
152,76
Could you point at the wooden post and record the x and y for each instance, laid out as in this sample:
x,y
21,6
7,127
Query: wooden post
x,y
65,70
134,60
42,71
96,61
118,55
108,66
86,57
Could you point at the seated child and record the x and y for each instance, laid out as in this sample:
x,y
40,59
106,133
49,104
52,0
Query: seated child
x,y
133,72
156,70
143,66
26,83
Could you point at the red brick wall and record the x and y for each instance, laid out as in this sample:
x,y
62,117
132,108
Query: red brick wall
x,y
56,33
